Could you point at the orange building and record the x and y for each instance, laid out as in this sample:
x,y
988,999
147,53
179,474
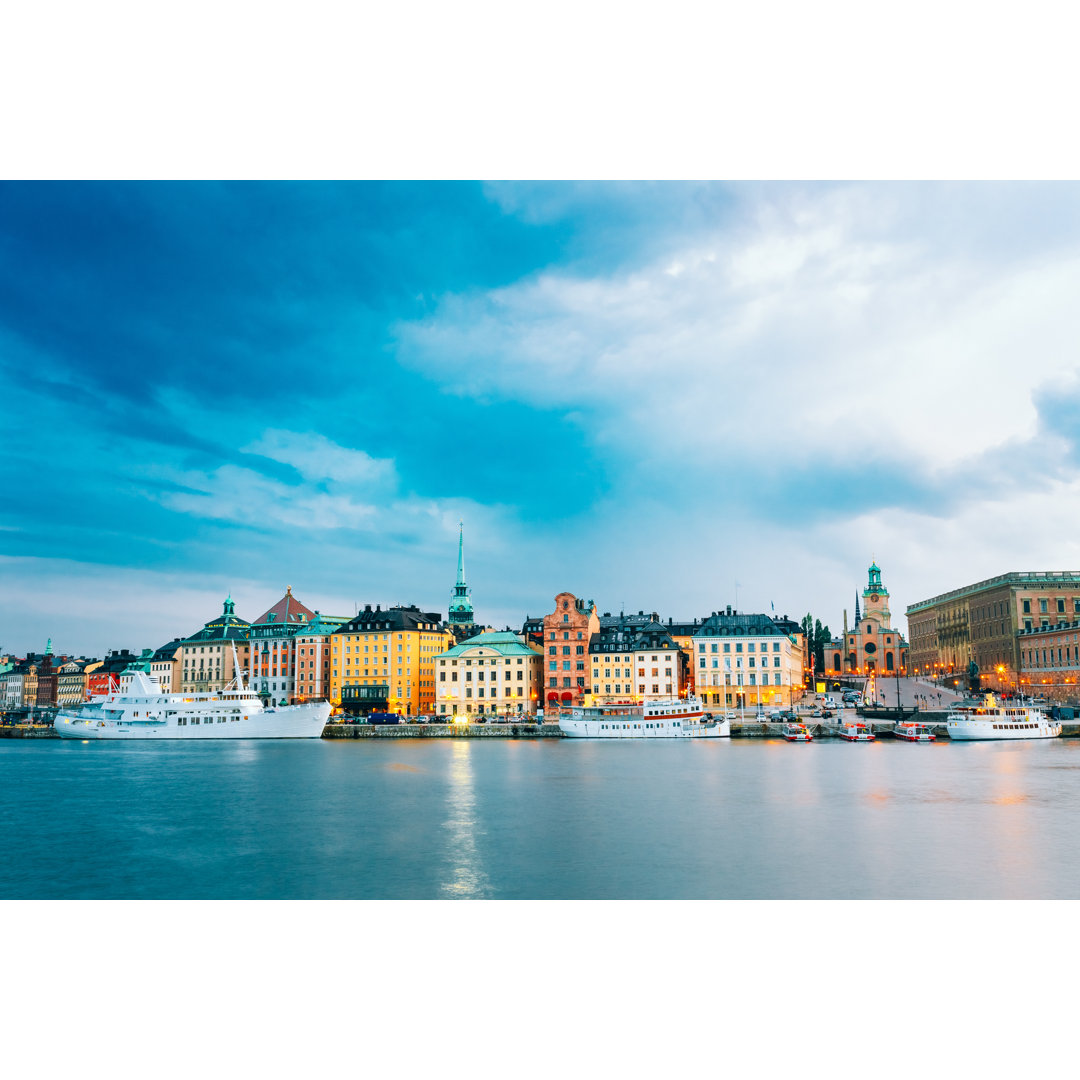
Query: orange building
x,y
567,633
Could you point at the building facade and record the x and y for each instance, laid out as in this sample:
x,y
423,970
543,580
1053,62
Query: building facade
x,y
495,673
1049,662
635,662
746,660
313,664
872,645
165,665
274,655
71,681
206,659
104,678
567,632
383,660
981,623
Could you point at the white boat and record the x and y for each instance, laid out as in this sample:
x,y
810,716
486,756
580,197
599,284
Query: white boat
x,y
797,733
992,720
911,732
142,711
656,720
857,732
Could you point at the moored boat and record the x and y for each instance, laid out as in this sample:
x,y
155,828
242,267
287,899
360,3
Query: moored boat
x,y
672,719
142,711
797,733
910,732
992,720
856,732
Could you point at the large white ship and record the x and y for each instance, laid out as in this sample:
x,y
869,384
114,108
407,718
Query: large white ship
x,y
992,720
142,711
655,720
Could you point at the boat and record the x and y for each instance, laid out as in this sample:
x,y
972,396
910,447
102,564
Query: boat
x,y
914,732
143,711
797,733
670,719
992,720
855,732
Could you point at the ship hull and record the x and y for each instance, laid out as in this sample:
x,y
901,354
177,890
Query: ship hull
x,y
288,722
985,731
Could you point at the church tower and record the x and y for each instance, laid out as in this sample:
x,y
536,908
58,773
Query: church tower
x,y
876,599
461,609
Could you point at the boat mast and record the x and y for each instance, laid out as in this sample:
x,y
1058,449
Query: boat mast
x,y
238,675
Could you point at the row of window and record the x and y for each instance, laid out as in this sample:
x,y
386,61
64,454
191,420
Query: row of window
x,y
764,646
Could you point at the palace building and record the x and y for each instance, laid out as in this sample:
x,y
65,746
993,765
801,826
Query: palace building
x,y
989,623
491,674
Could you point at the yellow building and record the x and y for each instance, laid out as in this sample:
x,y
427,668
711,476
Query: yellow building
x,y
384,661
495,673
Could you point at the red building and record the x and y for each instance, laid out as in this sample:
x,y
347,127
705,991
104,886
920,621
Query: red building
x,y
567,633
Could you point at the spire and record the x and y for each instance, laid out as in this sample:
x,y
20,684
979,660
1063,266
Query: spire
x,y
48,647
858,617
230,607
461,609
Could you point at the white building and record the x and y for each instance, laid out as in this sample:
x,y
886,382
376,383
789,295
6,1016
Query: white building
x,y
637,660
494,673
746,660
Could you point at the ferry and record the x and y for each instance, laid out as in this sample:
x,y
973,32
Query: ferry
x,y
142,711
855,732
914,732
671,719
992,720
797,733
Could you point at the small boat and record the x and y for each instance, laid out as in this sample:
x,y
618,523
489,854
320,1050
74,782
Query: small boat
x,y
913,732
797,733
855,732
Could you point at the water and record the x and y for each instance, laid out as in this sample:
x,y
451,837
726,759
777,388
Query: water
x,y
500,818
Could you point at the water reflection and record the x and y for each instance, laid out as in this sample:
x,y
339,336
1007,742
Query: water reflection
x,y
467,879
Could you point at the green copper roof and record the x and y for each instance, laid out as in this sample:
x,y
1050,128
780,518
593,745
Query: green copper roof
x,y
498,641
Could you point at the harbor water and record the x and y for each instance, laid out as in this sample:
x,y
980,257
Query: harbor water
x,y
538,819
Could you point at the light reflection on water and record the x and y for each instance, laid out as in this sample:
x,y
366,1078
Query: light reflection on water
x,y
467,880
539,819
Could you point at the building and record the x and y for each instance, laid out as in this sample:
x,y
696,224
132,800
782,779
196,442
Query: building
x,y
496,673
72,680
872,645
141,665
165,665
631,660
1049,662
384,660
567,632
274,649
313,667
207,657
105,677
747,660
981,623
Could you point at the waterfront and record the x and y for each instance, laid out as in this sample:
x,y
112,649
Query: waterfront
x,y
541,819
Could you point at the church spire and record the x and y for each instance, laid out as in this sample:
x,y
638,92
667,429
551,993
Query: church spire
x,y
858,617
461,609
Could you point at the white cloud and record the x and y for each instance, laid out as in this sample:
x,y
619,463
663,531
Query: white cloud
x,y
315,457
917,345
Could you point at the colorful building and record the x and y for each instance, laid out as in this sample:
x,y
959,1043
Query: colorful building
x,y
274,654
207,662
981,623
383,660
313,662
634,661
747,660
496,673
105,677
567,632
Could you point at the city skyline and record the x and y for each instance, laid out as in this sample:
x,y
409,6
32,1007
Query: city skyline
x,y
644,393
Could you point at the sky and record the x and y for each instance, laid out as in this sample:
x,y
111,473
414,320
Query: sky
x,y
661,396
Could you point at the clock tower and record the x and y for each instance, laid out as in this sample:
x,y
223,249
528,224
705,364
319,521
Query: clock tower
x,y
876,600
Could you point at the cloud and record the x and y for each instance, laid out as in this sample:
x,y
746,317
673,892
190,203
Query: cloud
x,y
317,458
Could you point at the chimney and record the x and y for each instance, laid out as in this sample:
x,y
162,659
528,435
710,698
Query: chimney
x,y
729,609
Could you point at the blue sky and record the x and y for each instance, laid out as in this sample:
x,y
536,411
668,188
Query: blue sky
x,y
643,393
